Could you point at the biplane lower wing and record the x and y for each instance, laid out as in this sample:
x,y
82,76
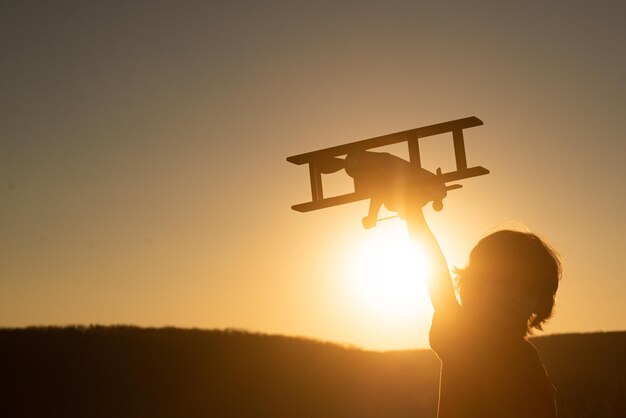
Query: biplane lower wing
x,y
355,197
330,201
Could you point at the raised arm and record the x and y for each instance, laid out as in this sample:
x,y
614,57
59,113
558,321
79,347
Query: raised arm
x,y
438,277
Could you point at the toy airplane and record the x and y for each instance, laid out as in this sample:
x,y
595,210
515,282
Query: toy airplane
x,y
385,178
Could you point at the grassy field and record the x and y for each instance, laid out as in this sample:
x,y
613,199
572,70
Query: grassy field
x,y
166,372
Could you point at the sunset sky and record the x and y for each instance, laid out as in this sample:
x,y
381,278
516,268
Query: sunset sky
x,y
143,177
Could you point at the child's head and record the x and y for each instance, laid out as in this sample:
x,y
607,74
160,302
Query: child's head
x,y
511,279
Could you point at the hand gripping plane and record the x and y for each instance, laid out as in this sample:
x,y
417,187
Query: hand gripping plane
x,y
384,178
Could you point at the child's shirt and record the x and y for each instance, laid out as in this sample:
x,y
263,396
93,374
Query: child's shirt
x,y
486,374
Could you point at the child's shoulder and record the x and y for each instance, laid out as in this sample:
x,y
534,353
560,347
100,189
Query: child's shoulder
x,y
457,332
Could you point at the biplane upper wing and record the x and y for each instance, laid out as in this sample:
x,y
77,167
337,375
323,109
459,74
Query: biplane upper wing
x,y
381,141
410,136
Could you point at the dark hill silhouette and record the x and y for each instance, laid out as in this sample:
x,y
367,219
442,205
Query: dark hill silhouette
x,y
167,372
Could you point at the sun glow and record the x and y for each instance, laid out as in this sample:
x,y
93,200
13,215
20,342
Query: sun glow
x,y
386,274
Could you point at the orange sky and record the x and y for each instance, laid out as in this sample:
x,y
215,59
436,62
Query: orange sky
x,y
142,155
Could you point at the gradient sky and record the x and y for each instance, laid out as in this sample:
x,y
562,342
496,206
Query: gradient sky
x,y
142,154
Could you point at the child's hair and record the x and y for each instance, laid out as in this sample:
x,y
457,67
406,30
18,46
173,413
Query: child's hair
x,y
525,257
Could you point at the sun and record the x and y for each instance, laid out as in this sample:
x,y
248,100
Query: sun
x,y
386,274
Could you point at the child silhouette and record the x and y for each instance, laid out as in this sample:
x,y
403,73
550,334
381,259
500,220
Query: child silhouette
x,y
489,369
